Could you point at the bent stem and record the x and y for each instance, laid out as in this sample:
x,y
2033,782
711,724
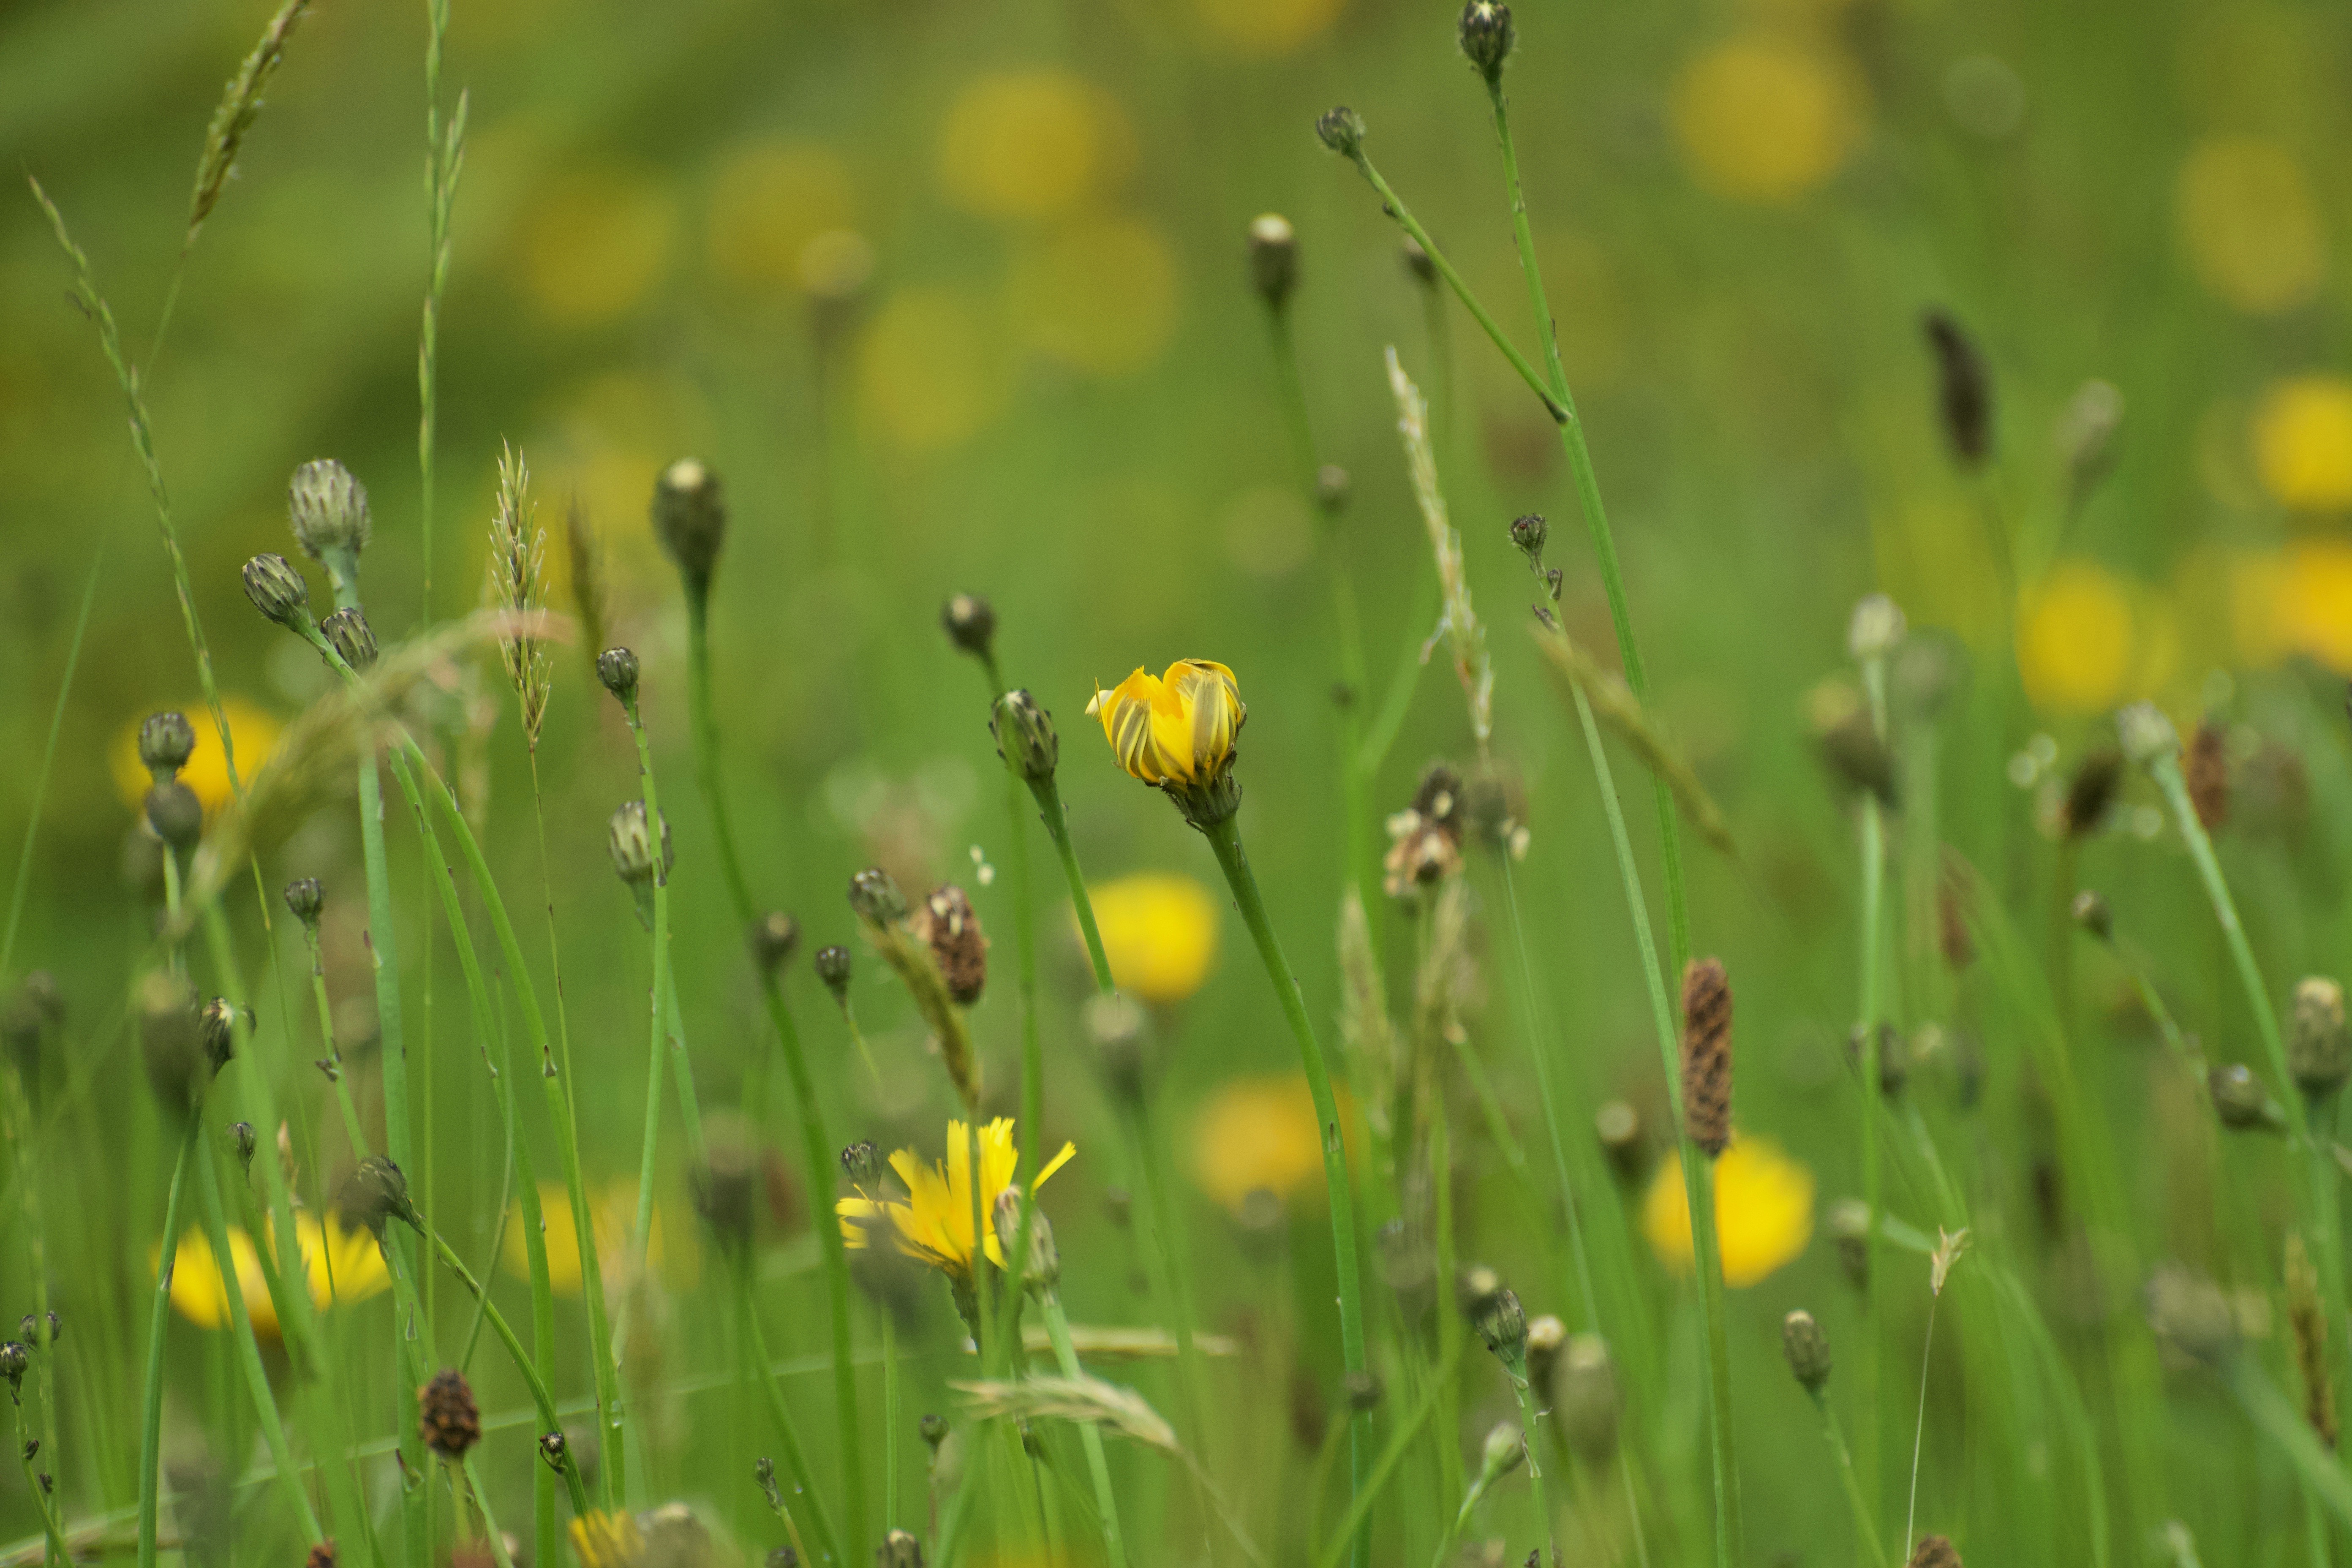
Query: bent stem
x,y
159,1320
1225,842
816,1152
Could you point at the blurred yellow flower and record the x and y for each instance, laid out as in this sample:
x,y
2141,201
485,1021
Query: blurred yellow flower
x,y
339,1265
2083,644
1032,144
592,242
934,1221
1159,932
1267,29
613,1213
2303,443
602,1540
2313,610
1173,728
2250,223
1260,1131
1097,295
768,200
927,376
1765,118
1763,1212
251,730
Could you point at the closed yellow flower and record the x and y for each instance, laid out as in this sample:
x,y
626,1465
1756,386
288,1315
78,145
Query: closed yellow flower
x,y
1763,1212
1159,932
1173,728
339,1265
933,1222
1260,1132
2303,443
1765,119
253,731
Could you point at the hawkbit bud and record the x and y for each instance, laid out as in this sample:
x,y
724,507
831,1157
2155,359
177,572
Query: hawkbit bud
x,y
216,1032
1044,1269
2148,736
1807,1348
240,1137
691,520
1487,35
1024,736
329,510
862,1163
934,1429
166,740
970,623
617,668
1529,533
631,844
278,589
875,898
374,1192
175,814
833,965
348,633
1273,258
306,898
2318,1050
775,936
14,1360
1504,1450
1342,130
1502,1322
2092,913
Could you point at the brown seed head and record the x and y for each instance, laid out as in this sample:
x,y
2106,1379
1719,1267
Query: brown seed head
x,y
1935,1551
1963,389
2092,791
1706,1053
951,926
445,1414
2205,765
323,1556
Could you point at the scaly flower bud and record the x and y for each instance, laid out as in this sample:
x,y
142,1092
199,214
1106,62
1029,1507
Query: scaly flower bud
x,y
1530,534
1044,1269
833,965
1024,736
241,1139
1342,130
14,1361
1504,1450
970,624
175,814
166,740
168,1040
1807,1348
617,668
1502,1322
329,510
1272,258
1487,36
374,1192
631,844
306,898
875,898
278,589
555,1449
2318,1050
216,1032
862,1163
691,520
348,633
775,936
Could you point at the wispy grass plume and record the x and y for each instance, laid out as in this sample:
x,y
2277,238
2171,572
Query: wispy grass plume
x,y
240,105
518,586
1458,624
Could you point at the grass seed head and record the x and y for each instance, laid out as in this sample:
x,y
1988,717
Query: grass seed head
x,y
1963,389
1707,1055
2092,791
447,1417
948,924
2205,768
1273,258
1935,1551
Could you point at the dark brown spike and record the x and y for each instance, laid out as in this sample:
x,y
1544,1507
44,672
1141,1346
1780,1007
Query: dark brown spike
x,y
2205,764
1963,389
1706,1053
1935,1551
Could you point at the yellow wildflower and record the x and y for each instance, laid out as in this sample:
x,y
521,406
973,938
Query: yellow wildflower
x,y
2085,643
1765,119
1031,144
2314,607
593,241
2249,225
613,1212
339,1265
253,731
1763,1212
1260,1131
933,1222
2303,443
768,201
1173,728
1265,29
1159,932
602,1540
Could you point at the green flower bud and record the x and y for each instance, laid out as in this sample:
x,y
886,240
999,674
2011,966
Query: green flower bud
x,y
691,519
1024,736
934,1428
348,633
1877,626
833,966
775,936
241,1139
166,740
306,898
175,814
1807,1348
617,668
216,1032
970,624
632,845
2148,736
899,1550
1530,534
1505,1449
14,1361
1487,35
169,1042
1502,1322
2242,1102
862,1163
329,510
1272,258
875,898
374,1192
29,1330
2318,1050
278,589
556,1449
1342,130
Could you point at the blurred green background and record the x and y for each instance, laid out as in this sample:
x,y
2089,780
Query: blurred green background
x,y
954,297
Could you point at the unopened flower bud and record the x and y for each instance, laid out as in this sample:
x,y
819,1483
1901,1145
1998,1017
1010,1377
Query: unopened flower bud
x,y
2191,1315
1877,627
1619,1127
1849,1228
1504,1450
728,1187
1586,1398
2148,736
241,1139
1364,1391
166,740
2240,1100
1530,534
306,898
1044,1269
1342,130
348,633
862,1163
176,814
1115,1024
1502,1322
633,846
875,898
278,589
970,624
329,510
2318,1050
691,519
1333,486
899,1550
1024,736
617,668
1935,1551
2092,913
934,1429
948,924
1807,1348
775,937
374,1192
14,1361
169,1041
1487,36
1547,1337
833,966
30,1327
1272,258
216,1032
446,1414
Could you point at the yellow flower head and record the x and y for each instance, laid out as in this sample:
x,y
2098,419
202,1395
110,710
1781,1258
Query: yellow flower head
x,y
1763,1212
1259,1131
2250,223
1175,729
1766,118
602,1540
1159,932
933,1222
253,731
613,1213
2303,443
338,1265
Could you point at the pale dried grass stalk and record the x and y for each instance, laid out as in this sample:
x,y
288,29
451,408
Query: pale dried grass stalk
x,y
518,587
240,105
1616,706
1084,1400
1458,624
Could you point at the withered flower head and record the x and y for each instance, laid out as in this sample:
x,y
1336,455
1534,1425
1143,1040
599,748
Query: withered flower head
x,y
948,924
445,1414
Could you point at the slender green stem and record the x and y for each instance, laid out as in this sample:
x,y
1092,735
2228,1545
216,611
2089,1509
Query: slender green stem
x,y
1401,1441
656,831
1066,1356
1529,1418
1865,1529
1171,1281
55,1550
1057,827
1449,1307
817,1150
247,1348
804,1483
1225,842
1872,1013
49,760
159,1320
890,1422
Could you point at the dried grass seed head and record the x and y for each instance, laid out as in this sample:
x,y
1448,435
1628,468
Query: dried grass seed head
x,y
950,926
2205,769
1707,1055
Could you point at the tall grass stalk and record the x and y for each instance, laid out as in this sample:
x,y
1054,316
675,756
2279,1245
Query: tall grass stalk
x,y
1871,1011
1226,843
49,757
816,1152
657,833
159,1322
54,1548
445,157
1066,1356
804,1482
1866,1527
